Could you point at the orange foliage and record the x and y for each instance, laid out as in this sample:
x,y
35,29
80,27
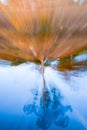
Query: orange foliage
x,y
38,29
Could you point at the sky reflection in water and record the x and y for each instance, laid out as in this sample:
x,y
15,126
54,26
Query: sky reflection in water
x,y
50,110
25,105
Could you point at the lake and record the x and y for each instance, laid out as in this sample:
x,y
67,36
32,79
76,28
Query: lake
x,y
25,104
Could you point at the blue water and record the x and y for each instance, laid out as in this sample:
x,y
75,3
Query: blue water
x,y
25,105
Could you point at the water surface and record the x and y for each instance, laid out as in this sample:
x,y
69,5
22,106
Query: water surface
x,y
25,105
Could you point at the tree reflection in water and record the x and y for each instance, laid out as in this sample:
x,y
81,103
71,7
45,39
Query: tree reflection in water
x,y
50,111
